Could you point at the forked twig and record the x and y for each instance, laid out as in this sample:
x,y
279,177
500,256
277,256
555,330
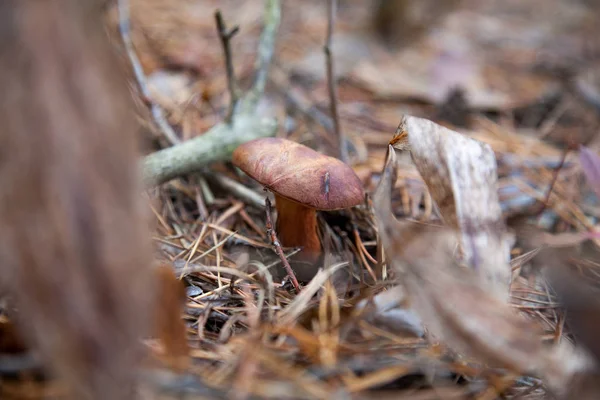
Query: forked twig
x,y
218,143
140,76
331,85
226,36
273,236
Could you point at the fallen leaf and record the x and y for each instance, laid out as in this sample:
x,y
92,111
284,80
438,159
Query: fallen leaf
x,y
461,176
453,304
438,75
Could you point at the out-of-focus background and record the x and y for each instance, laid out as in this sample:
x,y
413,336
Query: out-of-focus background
x,y
519,75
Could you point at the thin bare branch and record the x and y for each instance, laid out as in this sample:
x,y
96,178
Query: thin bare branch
x,y
331,83
140,76
226,36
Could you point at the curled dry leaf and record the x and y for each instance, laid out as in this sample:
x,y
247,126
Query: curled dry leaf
x,y
461,176
452,303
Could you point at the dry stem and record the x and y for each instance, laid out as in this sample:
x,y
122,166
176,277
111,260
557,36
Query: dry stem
x,y
157,112
273,236
226,36
331,7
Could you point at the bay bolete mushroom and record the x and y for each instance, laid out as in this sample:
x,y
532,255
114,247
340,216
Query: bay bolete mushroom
x,y
302,181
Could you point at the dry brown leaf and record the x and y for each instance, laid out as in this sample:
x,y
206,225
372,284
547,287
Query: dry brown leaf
x,y
452,303
461,176
74,237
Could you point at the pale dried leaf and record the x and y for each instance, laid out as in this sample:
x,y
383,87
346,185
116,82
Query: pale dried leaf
x,y
453,305
461,176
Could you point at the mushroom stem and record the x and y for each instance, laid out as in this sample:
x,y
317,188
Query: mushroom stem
x,y
297,227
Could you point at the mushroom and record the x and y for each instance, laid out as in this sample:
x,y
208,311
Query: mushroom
x,y
302,181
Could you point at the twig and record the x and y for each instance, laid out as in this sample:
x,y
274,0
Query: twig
x,y
225,37
554,179
157,112
266,49
240,191
273,236
331,7
219,142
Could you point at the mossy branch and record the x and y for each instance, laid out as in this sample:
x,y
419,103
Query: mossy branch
x,y
219,142
215,145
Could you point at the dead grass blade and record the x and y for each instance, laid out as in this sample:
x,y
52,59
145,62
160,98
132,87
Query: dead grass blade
x,y
300,303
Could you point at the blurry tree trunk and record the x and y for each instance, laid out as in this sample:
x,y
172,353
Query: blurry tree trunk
x,y
73,245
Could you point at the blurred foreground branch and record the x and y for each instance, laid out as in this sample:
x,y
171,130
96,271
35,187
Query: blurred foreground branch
x,y
218,143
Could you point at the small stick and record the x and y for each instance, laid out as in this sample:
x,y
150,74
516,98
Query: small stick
x,y
544,205
157,112
331,7
271,233
226,36
241,191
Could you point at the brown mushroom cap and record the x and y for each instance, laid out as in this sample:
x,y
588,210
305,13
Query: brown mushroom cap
x,y
299,173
